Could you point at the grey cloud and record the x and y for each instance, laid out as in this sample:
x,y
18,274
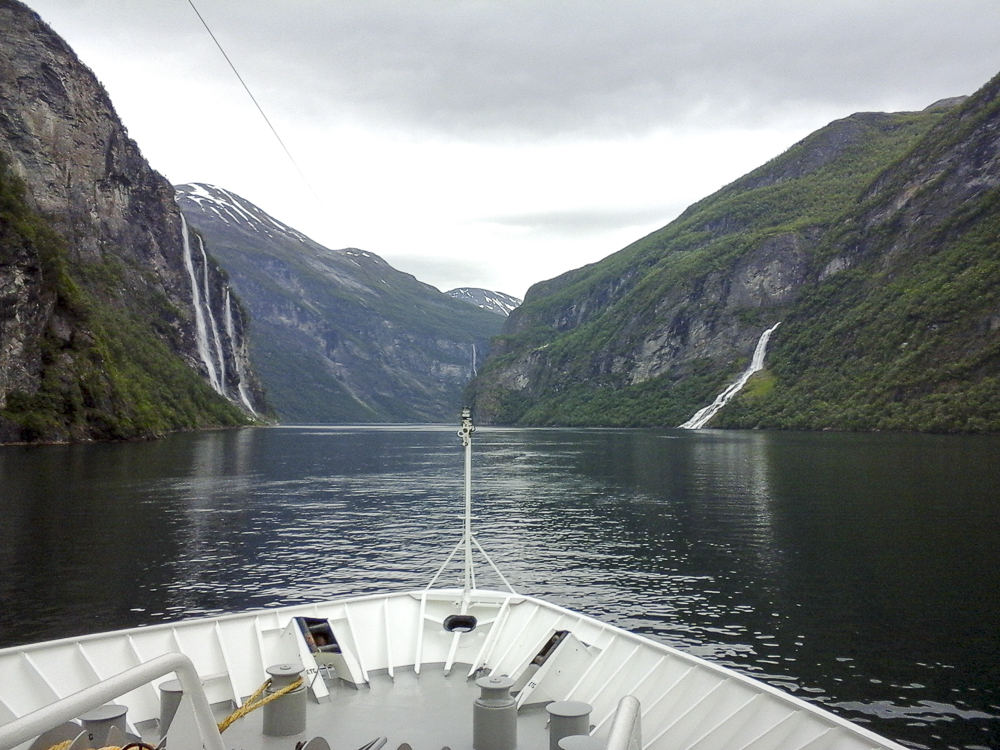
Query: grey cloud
x,y
529,68
516,69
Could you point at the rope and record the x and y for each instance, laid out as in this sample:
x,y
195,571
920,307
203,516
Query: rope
x,y
252,703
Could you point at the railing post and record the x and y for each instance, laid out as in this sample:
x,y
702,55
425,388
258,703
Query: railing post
x,y
626,729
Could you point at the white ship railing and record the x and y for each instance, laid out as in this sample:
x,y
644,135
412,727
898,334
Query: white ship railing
x,y
32,725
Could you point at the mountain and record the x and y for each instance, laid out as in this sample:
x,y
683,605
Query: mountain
x,y
484,299
873,243
340,336
100,332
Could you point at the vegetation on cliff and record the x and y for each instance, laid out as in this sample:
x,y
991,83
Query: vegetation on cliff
x,y
101,371
884,273
98,331
909,338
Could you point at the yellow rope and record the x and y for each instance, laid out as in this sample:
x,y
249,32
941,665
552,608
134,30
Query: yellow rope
x,y
252,703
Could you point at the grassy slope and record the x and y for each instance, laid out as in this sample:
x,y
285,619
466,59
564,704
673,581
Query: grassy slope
x,y
113,378
910,338
905,351
802,192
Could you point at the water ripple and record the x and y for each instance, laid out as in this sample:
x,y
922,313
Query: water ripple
x,y
758,551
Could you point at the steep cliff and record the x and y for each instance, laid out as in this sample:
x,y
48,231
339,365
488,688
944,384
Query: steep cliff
x,y
97,311
907,335
652,333
340,335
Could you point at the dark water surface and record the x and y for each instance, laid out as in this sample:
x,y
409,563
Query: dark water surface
x,y
858,571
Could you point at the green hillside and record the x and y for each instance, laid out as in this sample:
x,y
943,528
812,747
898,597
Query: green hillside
x,y
909,338
885,317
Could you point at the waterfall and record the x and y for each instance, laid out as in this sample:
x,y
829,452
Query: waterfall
x,y
211,320
474,370
207,332
201,329
240,371
702,416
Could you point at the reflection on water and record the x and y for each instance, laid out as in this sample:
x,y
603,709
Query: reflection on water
x,y
859,571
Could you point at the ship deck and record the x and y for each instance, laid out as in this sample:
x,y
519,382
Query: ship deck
x,y
429,711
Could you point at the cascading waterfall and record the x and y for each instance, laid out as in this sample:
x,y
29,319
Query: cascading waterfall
x,y
702,416
474,370
207,332
240,370
201,329
211,320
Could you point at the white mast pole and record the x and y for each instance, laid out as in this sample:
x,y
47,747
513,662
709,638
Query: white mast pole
x,y
468,540
466,435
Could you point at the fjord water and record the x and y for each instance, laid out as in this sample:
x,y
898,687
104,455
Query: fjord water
x,y
857,571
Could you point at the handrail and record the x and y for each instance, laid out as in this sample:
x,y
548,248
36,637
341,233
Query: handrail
x,y
626,727
31,725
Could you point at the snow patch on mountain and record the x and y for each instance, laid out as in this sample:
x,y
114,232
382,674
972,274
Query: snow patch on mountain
x,y
232,209
485,299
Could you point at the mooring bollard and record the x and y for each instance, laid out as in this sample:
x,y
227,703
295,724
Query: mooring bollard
x,y
494,715
286,715
170,698
99,721
567,718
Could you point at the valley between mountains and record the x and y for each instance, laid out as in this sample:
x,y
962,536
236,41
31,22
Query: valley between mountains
x,y
130,308
340,335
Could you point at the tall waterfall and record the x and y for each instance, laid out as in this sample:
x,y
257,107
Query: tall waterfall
x,y
702,416
211,320
240,371
201,328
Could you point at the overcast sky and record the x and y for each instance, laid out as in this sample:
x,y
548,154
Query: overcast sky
x,y
497,143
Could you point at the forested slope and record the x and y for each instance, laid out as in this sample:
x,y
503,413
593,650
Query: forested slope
x,y
908,337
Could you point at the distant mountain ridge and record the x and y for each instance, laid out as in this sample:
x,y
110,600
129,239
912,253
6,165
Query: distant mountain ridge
x,y
873,241
485,299
340,336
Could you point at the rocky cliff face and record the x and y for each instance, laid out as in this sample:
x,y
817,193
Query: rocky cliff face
x,y
340,335
655,331
109,299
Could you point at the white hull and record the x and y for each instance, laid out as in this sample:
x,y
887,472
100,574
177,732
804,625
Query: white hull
x,y
686,702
